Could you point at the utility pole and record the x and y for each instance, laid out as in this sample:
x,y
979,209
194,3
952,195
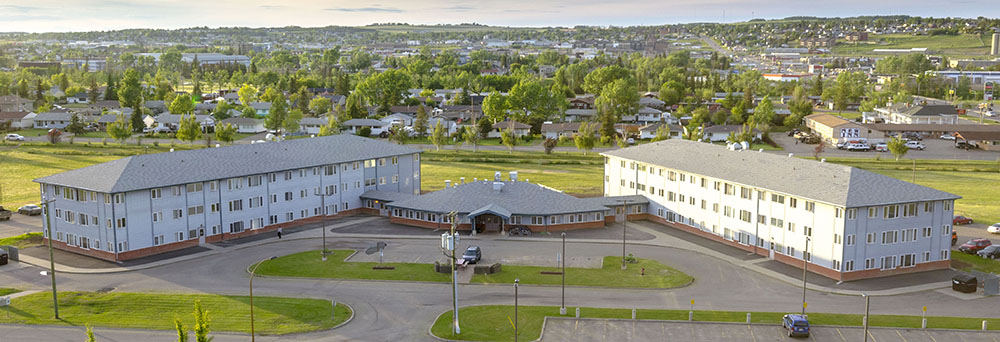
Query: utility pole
x,y
322,193
867,301
449,242
52,262
562,308
515,308
805,264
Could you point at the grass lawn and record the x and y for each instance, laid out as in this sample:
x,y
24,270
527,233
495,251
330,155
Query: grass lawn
x,y
495,322
610,275
6,291
482,142
963,44
572,172
309,265
23,241
272,315
972,262
975,118
965,178
33,160
98,134
33,132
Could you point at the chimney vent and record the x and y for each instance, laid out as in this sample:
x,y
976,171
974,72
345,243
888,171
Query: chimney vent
x,y
496,176
513,176
461,180
447,184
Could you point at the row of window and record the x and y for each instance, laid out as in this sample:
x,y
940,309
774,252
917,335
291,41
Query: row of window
x,y
535,220
85,243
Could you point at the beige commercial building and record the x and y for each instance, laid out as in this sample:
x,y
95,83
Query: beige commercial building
x,y
835,129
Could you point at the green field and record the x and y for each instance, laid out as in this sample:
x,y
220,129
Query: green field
x,y
571,172
272,315
610,275
966,178
963,44
495,322
6,291
22,241
22,164
310,265
971,262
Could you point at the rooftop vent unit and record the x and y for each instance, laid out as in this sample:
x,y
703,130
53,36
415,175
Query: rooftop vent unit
x,y
447,184
513,176
497,186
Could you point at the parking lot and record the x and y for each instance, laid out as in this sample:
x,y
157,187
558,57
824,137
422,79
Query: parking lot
x,y
568,329
935,149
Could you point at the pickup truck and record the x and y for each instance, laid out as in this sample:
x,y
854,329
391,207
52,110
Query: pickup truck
x,y
5,214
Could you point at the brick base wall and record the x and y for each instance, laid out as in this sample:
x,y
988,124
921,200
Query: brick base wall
x,y
785,259
173,246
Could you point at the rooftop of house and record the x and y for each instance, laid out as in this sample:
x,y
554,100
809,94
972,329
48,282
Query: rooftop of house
x,y
365,123
923,110
725,129
824,182
510,124
13,115
177,168
828,120
561,127
513,197
239,120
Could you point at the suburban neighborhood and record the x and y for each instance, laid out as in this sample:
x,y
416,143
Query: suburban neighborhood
x,y
757,177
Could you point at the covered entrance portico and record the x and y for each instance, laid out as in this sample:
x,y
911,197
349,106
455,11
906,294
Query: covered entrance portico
x,y
490,218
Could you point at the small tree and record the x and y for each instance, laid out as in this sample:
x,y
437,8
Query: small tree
x,y
332,126
364,131
820,148
182,104
182,334
201,323
55,136
484,126
121,129
225,133
398,135
90,334
897,147
438,136
662,132
420,123
189,129
584,139
509,139
620,141
75,125
320,105
291,122
550,144
471,137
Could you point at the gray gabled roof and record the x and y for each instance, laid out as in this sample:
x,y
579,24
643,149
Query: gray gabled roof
x,y
176,168
824,182
520,198
54,116
365,123
313,121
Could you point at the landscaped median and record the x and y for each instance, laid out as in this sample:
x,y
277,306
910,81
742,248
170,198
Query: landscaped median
x,y
970,262
310,265
656,275
272,315
7,291
495,322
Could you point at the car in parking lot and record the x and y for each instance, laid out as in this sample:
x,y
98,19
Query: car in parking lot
x,y
472,254
858,147
974,245
915,145
30,210
913,136
994,229
960,220
793,132
881,147
991,252
14,137
947,137
795,325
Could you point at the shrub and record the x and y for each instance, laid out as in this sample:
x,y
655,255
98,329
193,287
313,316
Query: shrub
x,y
156,143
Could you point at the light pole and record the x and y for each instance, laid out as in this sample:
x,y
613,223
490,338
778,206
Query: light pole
x,y
515,309
867,301
624,228
252,270
562,308
805,264
450,242
322,199
52,261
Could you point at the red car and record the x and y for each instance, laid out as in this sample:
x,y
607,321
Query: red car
x,y
960,220
974,246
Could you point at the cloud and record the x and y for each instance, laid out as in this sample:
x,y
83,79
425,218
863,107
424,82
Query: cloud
x,y
459,8
366,9
271,7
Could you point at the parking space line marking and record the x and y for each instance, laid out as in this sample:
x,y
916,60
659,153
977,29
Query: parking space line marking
x,y
839,333
749,328
900,335
929,335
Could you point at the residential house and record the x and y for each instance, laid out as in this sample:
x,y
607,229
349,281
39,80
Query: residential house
x,y
155,106
14,103
576,115
49,120
262,108
561,129
354,125
581,103
650,101
906,113
645,115
398,119
313,125
81,97
519,129
719,133
14,119
649,131
245,125
173,121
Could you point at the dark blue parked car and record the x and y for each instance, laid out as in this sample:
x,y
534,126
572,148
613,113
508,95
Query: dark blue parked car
x,y
796,325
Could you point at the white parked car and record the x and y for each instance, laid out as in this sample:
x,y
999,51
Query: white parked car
x,y
913,144
947,137
858,147
14,137
994,229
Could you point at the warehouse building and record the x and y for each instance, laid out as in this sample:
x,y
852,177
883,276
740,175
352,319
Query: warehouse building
x,y
149,204
857,224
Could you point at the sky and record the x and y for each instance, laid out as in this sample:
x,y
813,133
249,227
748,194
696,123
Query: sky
x,y
95,15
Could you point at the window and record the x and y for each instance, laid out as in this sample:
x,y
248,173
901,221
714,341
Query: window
x,y
288,175
837,213
777,222
888,262
234,183
793,202
910,210
70,217
156,193
908,260
745,193
236,227
890,237
395,160
808,231
175,190
947,205
871,238
852,213
791,227
946,229
235,205
289,216
730,189
870,263
288,195
158,240
198,209
848,266
789,250
179,236
195,187
927,256
944,254
872,212
303,193
810,206
683,176
890,212
213,185
836,239
94,221
928,207
836,265
178,213
157,216
84,219
850,239
761,219
745,216
715,207
255,180
777,198
681,198
214,207
121,223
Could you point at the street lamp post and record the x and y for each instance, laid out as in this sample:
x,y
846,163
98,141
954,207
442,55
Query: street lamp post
x,y
624,228
322,199
52,262
450,242
515,308
252,270
562,308
805,265
867,301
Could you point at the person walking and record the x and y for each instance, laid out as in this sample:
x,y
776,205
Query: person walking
x,y
279,232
